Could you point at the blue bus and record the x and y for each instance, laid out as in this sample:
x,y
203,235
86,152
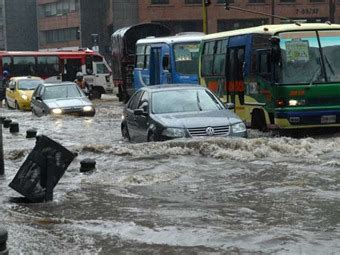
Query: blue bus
x,y
165,60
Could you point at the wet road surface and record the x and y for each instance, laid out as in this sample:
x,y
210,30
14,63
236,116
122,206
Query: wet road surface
x,y
261,195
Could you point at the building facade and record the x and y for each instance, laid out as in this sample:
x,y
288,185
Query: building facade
x,y
186,15
18,25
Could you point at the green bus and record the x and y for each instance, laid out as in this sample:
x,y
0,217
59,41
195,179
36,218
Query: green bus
x,y
277,76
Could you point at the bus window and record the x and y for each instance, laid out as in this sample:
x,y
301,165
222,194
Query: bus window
x,y
140,56
24,66
89,65
263,62
219,58
186,58
48,66
208,58
6,64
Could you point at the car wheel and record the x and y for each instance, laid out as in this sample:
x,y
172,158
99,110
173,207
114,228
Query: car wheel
x,y
258,120
17,105
125,132
6,103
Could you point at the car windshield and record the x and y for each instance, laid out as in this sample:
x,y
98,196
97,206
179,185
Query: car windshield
x,y
62,91
29,84
184,101
309,57
186,57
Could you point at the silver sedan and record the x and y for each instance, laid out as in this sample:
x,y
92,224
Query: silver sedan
x,y
61,98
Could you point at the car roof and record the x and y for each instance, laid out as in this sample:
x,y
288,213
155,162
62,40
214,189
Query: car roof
x,y
18,78
166,87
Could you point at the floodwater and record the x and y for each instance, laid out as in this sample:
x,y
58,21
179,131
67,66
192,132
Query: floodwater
x,y
263,195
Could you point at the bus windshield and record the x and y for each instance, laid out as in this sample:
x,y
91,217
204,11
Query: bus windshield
x,y
309,57
186,57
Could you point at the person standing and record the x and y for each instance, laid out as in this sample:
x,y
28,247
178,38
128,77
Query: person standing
x,y
3,84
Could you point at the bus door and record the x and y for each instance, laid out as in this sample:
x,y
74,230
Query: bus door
x,y
235,80
71,67
155,65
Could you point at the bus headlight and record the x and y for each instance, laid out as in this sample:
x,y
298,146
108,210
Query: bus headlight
x,y
24,97
87,108
57,111
239,127
174,132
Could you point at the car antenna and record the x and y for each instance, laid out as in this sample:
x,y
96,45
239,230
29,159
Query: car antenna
x,y
228,7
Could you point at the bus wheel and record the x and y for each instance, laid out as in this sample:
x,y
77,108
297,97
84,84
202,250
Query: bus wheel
x,y
95,94
258,120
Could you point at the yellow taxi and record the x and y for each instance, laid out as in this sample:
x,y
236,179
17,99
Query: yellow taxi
x,y
19,91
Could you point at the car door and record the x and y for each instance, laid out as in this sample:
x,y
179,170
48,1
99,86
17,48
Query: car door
x,y
142,121
130,116
36,103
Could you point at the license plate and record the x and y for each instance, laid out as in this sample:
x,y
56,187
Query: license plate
x,y
326,119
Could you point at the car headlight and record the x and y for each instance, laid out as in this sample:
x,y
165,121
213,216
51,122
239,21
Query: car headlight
x,y
24,97
239,127
57,111
87,108
174,132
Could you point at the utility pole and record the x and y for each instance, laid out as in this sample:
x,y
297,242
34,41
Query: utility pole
x,y
273,12
205,3
332,7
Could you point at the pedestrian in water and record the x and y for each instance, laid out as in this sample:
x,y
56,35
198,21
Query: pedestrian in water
x,y
85,87
4,79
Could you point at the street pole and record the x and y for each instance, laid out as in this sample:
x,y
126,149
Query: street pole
x,y
205,19
273,11
2,164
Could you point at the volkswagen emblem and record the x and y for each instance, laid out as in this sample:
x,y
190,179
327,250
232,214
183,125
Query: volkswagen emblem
x,y
210,131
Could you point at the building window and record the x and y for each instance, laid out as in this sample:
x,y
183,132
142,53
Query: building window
x,y
287,1
60,8
61,35
159,1
223,1
317,1
257,1
193,2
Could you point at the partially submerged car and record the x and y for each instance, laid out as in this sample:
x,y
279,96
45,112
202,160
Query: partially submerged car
x,y
158,113
19,91
61,98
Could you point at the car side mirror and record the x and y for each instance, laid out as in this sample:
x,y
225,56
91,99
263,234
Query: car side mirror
x,y
140,112
230,106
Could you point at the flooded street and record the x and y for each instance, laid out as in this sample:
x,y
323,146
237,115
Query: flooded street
x,y
261,195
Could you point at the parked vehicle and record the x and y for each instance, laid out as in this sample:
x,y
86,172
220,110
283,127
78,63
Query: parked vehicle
x,y
167,60
58,66
123,43
158,113
278,76
61,98
19,91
